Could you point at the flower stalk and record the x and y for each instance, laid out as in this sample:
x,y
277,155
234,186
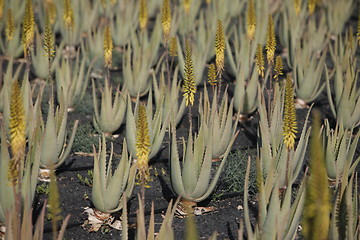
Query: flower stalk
x,y
142,147
166,19
17,133
28,28
290,125
143,15
251,20
10,27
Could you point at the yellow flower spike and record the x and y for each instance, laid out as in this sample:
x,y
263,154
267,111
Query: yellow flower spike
x,y
68,15
312,5
259,60
10,27
212,75
1,8
166,18
219,48
290,124
278,67
17,132
317,206
51,11
270,41
187,4
173,47
189,76
143,15
28,27
208,2
49,41
108,47
297,6
251,20
142,146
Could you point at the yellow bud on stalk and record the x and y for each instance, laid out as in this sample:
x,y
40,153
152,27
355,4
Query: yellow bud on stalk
x,y
220,48
259,60
290,124
142,146
311,6
49,41
51,11
10,27
251,20
278,67
212,75
17,132
189,76
187,4
108,47
270,41
68,15
297,6
143,15
1,8
28,27
173,47
166,18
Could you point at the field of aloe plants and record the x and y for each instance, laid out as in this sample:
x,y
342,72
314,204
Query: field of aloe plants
x,y
179,119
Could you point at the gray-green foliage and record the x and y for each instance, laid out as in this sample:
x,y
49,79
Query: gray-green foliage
x,y
233,175
85,138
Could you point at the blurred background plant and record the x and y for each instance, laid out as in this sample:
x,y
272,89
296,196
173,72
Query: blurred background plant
x,y
72,79
340,145
345,101
168,97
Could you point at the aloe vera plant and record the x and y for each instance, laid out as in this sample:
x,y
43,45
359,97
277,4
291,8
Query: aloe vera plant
x,y
168,97
138,59
246,92
339,151
337,13
125,21
156,126
345,101
72,80
109,187
307,75
55,147
219,122
193,181
84,14
345,221
278,216
112,113
166,231
291,28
